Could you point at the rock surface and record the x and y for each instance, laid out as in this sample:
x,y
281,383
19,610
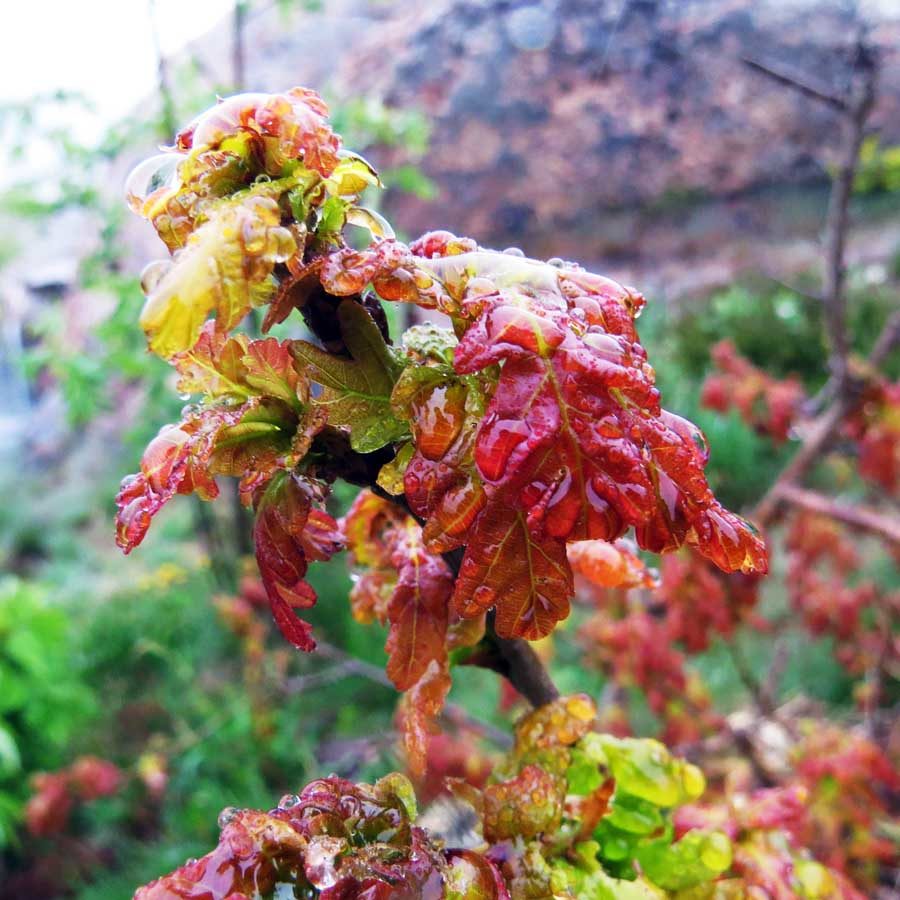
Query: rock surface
x,y
554,119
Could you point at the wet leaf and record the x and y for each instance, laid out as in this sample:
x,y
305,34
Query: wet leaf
x,y
356,391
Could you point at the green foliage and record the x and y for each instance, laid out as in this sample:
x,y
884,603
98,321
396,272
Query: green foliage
x,y
43,700
879,168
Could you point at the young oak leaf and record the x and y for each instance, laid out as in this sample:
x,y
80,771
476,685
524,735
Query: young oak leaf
x,y
225,267
419,609
573,444
214,366
176,461
356,392
403,585
289,532
528,581
269,370
248,440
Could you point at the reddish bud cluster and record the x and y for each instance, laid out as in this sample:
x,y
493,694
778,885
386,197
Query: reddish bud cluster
x,y
821,559
766,404
57,793
875,427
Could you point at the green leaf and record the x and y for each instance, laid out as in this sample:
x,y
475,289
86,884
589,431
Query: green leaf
x,y
583,776
698,857
646,769
10,759
357,391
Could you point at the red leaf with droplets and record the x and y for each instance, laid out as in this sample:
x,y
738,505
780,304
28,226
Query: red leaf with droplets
x,y
175,462
287,532
334,839
572,444
418,611
528,581
292,125
420,706
403,585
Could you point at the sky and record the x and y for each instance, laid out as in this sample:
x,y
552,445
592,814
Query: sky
x,y
102,48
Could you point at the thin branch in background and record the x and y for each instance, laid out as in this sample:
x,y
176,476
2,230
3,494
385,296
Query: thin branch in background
x,y
837,223
780,658
854,109
220,561
796,81
168,123
860,517
886,342
826,427
347,665
749,680
842,391
238,50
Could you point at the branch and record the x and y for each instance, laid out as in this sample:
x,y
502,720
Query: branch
x,y
820,435
837,221
886,342
801,83
238,56
513,658
347,665
826,426
749,680
861,517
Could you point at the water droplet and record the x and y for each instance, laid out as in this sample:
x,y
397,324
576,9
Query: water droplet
x,y
160,171
153,274
514,251
227,815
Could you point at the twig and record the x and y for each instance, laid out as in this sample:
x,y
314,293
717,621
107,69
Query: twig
x,y
347,665
886,342
855,109
749,680
825,427
238,56
838,218
797,82
780,658
861,517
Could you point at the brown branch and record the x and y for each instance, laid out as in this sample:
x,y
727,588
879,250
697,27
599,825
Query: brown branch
x,y
820,435
748,679
861,517
347,665
238,54
886,342
797,82
842,389
826,427
837,222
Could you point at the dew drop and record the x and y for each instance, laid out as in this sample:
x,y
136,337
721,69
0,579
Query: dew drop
x,y
160,171
153,274
227,815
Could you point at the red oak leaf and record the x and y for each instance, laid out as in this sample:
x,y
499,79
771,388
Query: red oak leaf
x,y
288,532
176,461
